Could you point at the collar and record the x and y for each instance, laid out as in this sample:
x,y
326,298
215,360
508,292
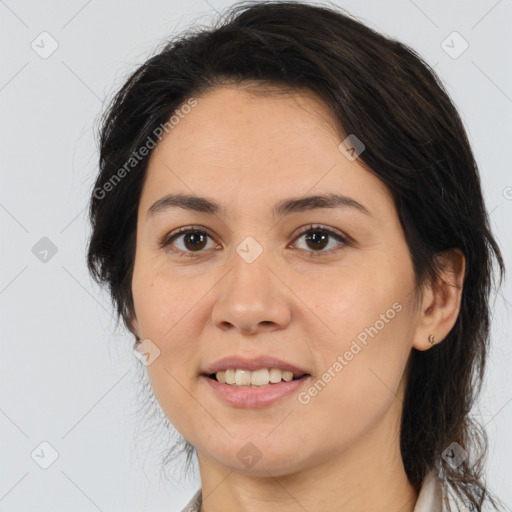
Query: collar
x,y
429,498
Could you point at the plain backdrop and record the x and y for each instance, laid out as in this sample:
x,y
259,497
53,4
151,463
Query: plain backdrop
x,y
68,378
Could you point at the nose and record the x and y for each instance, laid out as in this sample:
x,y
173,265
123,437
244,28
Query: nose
x,y
253,297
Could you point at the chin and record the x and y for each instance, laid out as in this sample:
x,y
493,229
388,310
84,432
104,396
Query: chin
x,y
258,456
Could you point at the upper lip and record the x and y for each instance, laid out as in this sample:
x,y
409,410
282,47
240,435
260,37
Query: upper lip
x,y
252,364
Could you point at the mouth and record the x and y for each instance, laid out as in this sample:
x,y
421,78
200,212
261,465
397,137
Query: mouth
x,y
269,387
261,378
261,370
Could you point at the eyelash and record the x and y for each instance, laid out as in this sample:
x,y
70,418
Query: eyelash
x,y
165,243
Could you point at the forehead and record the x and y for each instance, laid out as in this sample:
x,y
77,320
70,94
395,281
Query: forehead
x,y
265,145
235,116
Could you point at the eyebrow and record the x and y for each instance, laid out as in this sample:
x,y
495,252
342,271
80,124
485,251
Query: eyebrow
x,y
281,209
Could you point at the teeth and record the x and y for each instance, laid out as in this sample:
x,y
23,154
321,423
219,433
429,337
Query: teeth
x,y
246,378
230,376
242,378
275,375
260,377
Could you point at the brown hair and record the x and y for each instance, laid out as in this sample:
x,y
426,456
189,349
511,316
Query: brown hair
x,y
382,91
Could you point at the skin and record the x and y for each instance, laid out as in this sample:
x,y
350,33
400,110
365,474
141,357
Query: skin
x,y
341,450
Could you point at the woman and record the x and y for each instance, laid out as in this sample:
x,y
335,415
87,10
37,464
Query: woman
x,y
289,218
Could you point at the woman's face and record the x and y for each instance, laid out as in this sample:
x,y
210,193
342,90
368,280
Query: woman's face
x,y
253,280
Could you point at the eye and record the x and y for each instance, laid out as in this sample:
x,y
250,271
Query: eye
x,y
194,240
317,237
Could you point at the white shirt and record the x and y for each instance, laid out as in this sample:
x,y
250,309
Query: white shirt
x,y
429,498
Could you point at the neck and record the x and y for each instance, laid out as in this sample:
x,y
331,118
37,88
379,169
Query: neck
x,y
368,475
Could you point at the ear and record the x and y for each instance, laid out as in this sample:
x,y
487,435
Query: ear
x,y
441,300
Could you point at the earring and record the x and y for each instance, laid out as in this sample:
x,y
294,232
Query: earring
x,y
431,339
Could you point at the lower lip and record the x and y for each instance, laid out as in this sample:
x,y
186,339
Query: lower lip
x,y
254,397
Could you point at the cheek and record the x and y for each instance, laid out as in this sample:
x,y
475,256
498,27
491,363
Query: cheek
x,y
161,303
163,308
357,389
164,314
364,354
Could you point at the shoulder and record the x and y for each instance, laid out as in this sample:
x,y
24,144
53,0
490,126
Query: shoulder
x,y
430,498
194,505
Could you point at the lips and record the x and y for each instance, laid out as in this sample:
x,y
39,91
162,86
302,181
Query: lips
x,y
248,397
253,364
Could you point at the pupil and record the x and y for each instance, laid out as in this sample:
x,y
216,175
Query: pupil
x,y
195,239
317,237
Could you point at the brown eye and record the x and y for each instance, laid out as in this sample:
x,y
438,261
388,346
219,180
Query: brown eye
x,y
194,240
317,238
191,240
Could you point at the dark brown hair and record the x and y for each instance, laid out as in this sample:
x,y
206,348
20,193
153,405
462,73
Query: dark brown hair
x,y
383,92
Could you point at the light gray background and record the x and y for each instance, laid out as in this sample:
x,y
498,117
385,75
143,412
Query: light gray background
x,y
66,377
